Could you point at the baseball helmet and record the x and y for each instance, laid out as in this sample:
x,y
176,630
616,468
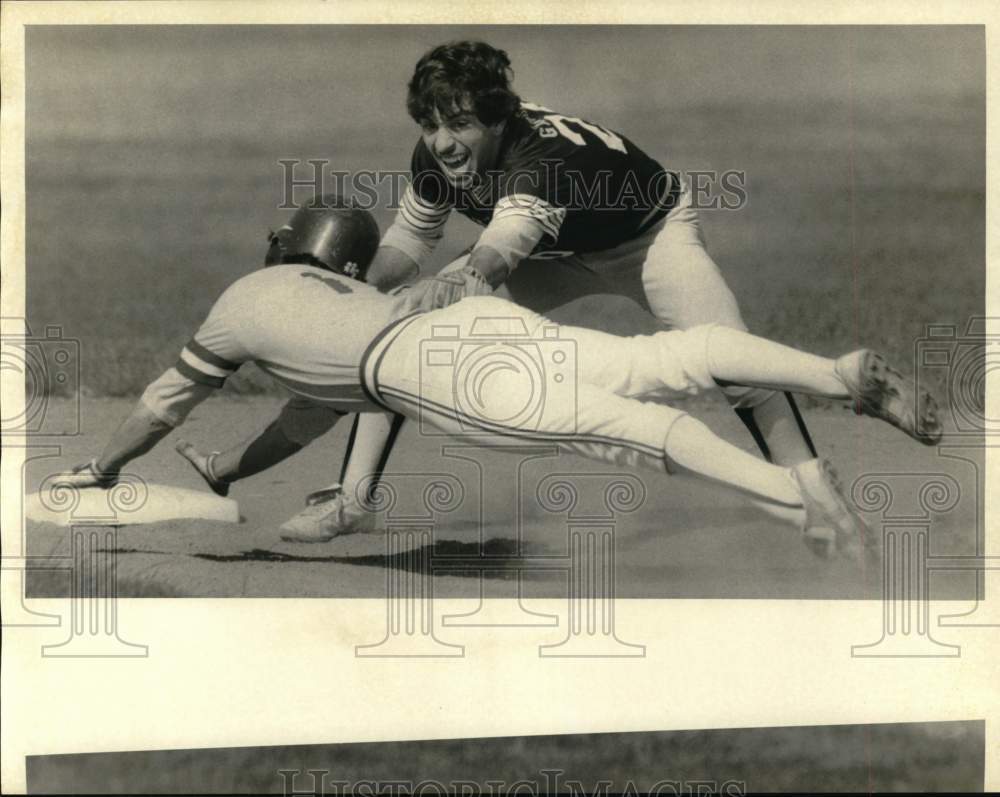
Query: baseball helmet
x,y
331,233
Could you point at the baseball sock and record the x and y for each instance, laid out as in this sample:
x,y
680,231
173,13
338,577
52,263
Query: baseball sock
x,y
736,356
778,429
692,446
369,445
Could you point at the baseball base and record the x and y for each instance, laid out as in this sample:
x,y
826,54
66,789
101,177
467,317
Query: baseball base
x,y
161,502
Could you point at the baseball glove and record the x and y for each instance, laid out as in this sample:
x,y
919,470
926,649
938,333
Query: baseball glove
x,y
445,289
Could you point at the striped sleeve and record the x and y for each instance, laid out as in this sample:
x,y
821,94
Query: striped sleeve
x,y
203,366
547,215
417,228
425,218
209,358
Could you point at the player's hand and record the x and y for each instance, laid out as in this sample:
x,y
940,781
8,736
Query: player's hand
x,y
445,289
203,463
87,475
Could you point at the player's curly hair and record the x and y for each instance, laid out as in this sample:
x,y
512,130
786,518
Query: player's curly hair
x,y
459,73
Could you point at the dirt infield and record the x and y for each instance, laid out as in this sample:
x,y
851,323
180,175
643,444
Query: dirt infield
x,y
687,540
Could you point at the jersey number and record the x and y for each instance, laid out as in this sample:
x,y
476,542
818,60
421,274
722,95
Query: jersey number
x,y
330,282
561,124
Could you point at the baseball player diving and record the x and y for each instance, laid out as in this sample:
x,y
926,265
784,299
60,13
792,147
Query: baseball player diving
x,y
339,345
568,208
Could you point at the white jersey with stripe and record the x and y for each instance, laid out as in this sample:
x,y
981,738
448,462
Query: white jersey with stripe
x,y
305,326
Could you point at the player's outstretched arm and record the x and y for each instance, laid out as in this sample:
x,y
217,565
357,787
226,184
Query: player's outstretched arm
x,y
164,405
499,250
506,241
408,243
299,423
391,268
137,435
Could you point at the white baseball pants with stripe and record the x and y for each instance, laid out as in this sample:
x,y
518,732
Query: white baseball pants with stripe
x,y
490,368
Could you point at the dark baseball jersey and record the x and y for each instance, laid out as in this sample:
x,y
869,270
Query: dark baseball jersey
x,y
590,188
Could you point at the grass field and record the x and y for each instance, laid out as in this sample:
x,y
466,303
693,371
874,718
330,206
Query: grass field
x,y
153,165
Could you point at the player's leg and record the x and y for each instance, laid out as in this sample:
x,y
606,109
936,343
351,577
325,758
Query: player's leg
x,y
675,363
340,507
685,362
344,505
373,436
589,418
369,446
684,288
627,432
597,422
538,285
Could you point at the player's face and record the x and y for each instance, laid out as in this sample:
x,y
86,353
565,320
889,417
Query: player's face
x,y
462,145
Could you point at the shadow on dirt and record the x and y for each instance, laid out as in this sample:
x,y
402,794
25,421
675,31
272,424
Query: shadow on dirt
x,y
463,559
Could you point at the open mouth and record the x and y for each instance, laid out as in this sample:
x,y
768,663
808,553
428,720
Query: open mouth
x,y
455,162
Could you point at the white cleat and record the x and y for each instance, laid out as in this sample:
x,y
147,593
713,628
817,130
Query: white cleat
x,y
329,514
879,390
831,525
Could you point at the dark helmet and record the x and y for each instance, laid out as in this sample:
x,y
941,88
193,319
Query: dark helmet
x,y
330,233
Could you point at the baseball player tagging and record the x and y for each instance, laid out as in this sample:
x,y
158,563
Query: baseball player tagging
x,y
348,347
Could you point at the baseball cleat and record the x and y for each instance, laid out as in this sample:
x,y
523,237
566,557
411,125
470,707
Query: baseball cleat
x,y
831,525
329,514
879,390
